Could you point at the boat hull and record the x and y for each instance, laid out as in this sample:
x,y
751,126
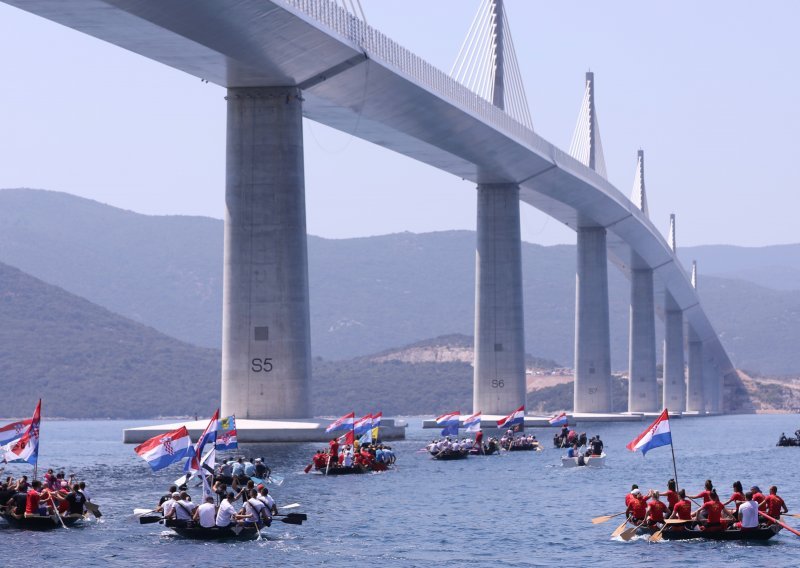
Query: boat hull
x,y
759,534
216,533
38,523
355,470
590,461
450,455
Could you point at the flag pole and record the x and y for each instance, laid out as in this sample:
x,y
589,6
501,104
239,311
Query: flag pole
x,y
672,448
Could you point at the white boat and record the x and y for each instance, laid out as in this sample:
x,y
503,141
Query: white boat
x,y
593,461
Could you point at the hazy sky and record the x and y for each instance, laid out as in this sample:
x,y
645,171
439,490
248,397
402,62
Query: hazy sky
x,y
708,90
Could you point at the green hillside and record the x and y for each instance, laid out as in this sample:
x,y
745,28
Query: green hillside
x,y
371,294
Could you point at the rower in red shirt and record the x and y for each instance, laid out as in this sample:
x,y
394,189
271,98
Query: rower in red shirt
x,y
671,494
655,510
774,505
706,494
715,511
33,498
758,497
682,510
637,510
631,496
737,498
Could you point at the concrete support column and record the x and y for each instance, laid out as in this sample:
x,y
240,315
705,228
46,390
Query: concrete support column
x,y
592,342
712,382
266,342
674,367
694,384
642,383
499,373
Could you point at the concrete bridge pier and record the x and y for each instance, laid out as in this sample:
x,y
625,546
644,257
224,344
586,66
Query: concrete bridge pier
x,y
642,383
712,383
674,387
499,370
592,341
695,401
266,345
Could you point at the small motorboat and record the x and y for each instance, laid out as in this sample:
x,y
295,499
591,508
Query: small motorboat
x,y
40,522
579,461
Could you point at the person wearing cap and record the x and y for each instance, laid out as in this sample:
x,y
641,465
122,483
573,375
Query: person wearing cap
x,y
168,507
184,509
629,496
262,471
206,513
637,509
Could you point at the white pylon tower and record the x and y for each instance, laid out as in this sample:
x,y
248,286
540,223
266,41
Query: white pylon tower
x,y
694,274
487,62
586,146
638,195
671,237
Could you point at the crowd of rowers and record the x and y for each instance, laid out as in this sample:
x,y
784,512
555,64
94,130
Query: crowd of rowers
x,y
713,514
524,442
594,447
237,472
219,509
22,498
568,438
375,457
448,445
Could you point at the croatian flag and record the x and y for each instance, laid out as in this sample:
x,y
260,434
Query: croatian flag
x,y
473,423
26,447
376,425
657,434
343,423
514,421
165,449
209,435
559,420
226,434
13,431
346,439
362,425
449,423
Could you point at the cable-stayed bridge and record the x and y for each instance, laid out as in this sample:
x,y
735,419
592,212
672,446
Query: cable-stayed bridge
x,y
282,60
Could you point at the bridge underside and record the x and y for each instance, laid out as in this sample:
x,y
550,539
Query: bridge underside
x,y
354,79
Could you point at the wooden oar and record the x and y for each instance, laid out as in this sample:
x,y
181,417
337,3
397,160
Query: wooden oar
x,y
605,518
628,534
291,520
796,515
658,535
289,506
150,520
140,512
776,521
93,509
55,509
619,529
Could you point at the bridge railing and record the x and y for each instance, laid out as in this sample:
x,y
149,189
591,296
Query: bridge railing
x,y
378,46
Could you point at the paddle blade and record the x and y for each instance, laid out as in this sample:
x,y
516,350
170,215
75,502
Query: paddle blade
x,y
308,467
149,520
289,506
138,512
276,479
605,518
657,536
626,535
93,509
619,529
301,516
291,520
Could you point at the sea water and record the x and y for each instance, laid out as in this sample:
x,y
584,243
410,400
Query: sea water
x,y
516,509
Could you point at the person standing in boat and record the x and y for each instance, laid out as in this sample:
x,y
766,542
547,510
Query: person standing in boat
x,y
748,513
597,446
334,451
774,505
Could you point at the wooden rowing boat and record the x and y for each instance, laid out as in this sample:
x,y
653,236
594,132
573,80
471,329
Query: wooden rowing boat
x,y
232,532
39,522
592,461
760,533
450,455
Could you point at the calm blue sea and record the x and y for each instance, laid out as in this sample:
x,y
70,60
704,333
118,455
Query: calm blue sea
x,y
519,509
